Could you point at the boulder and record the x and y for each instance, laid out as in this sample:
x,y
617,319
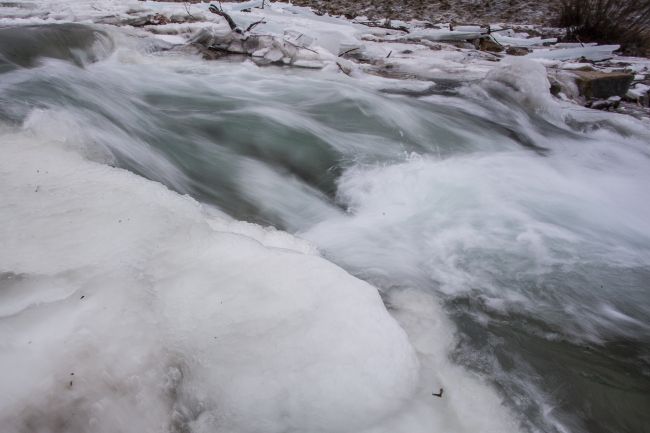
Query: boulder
x,y
602,85
488,44
517,51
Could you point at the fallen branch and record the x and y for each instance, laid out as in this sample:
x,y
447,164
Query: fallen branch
x,y
249,28
490,31
343,70
219,11
187,10
348,51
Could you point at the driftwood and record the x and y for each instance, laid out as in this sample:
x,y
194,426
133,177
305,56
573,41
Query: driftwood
x,y
219,11
348,51
249,28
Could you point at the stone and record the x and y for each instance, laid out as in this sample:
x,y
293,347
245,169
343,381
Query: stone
x,y
602,85
605,105
487,44
517,51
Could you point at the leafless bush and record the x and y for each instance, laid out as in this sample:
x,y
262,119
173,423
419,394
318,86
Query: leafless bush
x,y
626,22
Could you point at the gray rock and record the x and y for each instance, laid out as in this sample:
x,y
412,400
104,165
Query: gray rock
x,y
517,51
602,85
488,44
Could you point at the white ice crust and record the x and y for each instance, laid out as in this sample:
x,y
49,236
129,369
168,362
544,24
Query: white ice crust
x,y
126,307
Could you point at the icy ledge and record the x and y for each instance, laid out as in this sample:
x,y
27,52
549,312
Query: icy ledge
x,y
126,307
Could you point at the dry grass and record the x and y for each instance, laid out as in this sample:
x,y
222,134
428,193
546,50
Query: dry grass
x,y
626,22
459,11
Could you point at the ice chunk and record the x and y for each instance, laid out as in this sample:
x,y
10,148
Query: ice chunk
x,y
595,53
445,35
521,42
522,80
638,91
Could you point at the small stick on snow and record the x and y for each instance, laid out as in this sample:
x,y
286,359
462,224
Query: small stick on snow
x,y
249,28
348,51
299,46
341,68
187,9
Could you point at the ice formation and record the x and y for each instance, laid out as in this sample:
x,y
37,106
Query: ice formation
x,y
126,307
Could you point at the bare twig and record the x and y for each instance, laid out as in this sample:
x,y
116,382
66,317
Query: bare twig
x,y
249,28
299,46
490,31
494,40
342,70
187,9
219,11
348,51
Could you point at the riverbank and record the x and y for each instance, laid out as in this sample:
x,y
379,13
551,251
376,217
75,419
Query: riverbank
x,y
440,51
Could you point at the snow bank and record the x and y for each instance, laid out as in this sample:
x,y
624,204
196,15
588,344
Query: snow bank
x,y
126,307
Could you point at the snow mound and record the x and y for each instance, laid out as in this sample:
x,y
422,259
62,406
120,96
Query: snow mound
x,y
126,307
522,81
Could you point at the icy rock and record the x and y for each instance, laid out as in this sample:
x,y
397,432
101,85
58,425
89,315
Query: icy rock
x,y
578,66
563,84
517,51
602,85
522,80
487,44
605,104
274,55
640,94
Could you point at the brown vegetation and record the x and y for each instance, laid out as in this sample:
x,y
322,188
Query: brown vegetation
x,y
608,21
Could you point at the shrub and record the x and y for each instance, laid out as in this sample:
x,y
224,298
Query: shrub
x,y
626,22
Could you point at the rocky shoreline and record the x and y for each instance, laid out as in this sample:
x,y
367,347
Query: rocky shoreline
x,y
460,11
499,29
428,56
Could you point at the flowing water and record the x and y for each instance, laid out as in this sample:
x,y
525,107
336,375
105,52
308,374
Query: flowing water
x,y
528,221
